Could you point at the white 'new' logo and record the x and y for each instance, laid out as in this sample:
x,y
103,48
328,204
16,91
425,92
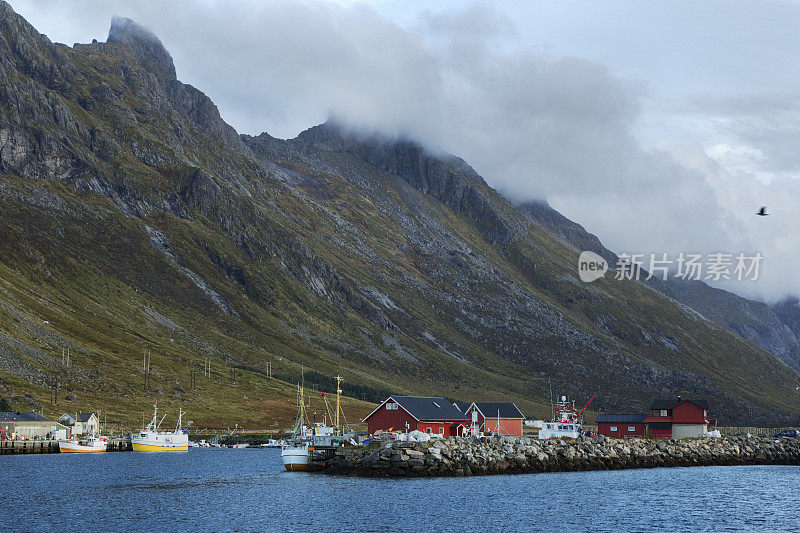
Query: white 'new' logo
x,y
591,266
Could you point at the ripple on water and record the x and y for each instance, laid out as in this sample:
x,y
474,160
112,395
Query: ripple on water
x,y
248,490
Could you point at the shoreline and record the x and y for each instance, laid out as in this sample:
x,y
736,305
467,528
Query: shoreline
x,y
457,457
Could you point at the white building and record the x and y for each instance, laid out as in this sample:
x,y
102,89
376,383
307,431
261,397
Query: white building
x,y
82,423
15,425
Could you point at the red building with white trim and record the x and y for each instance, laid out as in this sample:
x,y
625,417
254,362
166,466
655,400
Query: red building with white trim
x,y
677,419
619,426
494,417
433,415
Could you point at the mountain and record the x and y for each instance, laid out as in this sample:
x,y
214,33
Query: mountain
x,y
134,218
776,328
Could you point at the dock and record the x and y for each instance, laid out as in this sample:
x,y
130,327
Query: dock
x,y
318,457
11,447
119,444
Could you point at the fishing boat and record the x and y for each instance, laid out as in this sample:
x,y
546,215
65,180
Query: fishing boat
x,y
307,439
151,439
566,423
90,444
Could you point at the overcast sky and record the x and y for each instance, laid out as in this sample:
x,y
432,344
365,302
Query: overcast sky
x,y
659,126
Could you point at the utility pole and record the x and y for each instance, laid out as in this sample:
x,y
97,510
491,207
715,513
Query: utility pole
x,y
147,368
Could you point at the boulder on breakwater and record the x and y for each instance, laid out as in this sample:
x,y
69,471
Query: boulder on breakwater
x,y
506,455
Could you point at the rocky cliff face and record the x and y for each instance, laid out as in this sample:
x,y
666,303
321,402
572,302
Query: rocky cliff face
x,y
134,218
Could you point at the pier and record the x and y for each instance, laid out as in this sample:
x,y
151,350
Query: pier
x,y
454,456
119,444
319,457
8,447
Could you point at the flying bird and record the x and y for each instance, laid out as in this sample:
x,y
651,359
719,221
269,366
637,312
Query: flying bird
x,y
762,212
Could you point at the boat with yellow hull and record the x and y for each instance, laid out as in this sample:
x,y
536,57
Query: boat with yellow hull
x,y
139,447
152,440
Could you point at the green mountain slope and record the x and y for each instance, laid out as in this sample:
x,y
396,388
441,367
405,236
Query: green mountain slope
x,y
133,218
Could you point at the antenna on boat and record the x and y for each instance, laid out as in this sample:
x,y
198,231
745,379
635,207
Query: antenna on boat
x,y
552,408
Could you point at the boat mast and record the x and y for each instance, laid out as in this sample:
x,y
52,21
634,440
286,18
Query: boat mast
x,y
302,419
338,394
152,423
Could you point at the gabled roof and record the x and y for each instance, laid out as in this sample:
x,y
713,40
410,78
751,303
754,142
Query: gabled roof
x,y
82,417
620,419
425,408
501,409
670,404
15,416
462,406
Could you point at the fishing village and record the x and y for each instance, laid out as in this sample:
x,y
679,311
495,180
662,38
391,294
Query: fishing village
x,y
381,265
413,436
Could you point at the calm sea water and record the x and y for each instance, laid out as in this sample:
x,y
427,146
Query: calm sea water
x,y
247,490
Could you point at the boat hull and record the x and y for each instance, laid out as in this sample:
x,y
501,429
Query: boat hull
x,y
295,459
74,447
140,447
148,441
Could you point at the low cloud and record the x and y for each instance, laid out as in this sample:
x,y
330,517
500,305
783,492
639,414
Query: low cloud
x,y
536,126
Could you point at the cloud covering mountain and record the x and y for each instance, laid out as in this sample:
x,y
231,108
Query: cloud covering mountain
x,y
644,170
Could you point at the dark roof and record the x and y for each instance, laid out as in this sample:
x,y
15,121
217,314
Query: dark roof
x,y
15,416
429,407
669,404
462,406
621,419
82,417
505,409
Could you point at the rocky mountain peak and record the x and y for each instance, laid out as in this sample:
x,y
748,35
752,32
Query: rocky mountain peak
x,y
144,42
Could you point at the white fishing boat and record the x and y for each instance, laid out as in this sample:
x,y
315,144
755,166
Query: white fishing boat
x,y
566,423
297,451
295,455
294,452
151,439
90,444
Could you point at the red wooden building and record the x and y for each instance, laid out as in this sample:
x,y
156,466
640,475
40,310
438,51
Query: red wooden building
x,y
620,426
677,419
433,415
494,417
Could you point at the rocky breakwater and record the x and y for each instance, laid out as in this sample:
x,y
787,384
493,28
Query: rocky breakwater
x,y
507,455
